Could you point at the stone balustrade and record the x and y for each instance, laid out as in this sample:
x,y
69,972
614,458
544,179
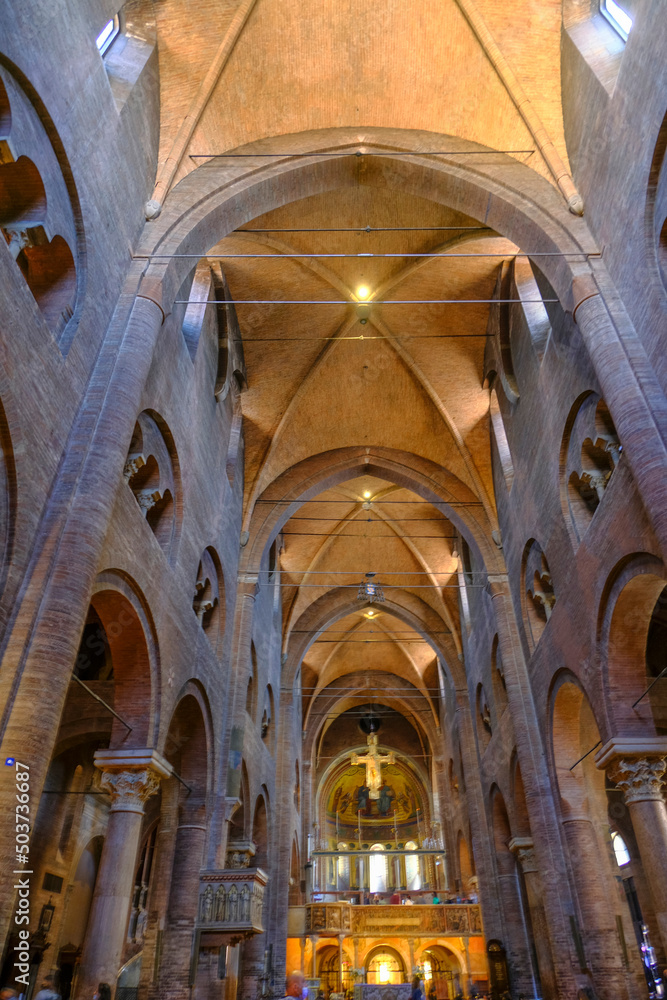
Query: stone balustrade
x,y
439,918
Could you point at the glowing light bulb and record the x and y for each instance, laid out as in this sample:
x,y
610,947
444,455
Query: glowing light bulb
x,y
363,291
367,494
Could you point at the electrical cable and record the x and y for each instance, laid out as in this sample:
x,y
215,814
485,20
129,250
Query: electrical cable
x,y
362,302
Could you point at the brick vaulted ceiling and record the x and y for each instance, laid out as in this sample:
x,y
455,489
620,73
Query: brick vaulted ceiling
x,y
414,383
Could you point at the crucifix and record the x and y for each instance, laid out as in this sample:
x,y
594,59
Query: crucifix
x,y
373,761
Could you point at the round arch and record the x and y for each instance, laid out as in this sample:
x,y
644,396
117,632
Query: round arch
x,y
216,198
373,963
624,622
332,704
341,762
303,481
337,603
125,616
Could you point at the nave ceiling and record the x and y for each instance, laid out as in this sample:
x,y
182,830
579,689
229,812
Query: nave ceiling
x,y
412,379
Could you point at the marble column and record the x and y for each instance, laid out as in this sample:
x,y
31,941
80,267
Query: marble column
x,y
313,945
411,947
637,767
523,848
130,777
340,963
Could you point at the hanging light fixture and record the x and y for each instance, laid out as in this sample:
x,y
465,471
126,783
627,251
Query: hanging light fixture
x,y
369,591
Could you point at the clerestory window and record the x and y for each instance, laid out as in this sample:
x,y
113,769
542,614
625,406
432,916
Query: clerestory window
x,y
617,17
109,32
620,850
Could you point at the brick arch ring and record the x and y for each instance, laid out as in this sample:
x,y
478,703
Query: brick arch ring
x,y
432,482
407,607
509,197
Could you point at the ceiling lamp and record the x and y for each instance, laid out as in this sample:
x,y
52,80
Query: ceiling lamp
x,y
367,494
363,308
369,591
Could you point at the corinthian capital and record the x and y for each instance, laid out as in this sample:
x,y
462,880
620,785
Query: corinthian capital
x,y
131,776
129,790
636,765
640,778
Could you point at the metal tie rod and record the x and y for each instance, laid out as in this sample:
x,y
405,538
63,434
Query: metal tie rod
x,y
361,302
373,229
309,256
102,702
359,152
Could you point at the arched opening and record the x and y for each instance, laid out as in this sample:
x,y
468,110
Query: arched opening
x,y
442,972
333,977
636,656
385,965
585,817
114,641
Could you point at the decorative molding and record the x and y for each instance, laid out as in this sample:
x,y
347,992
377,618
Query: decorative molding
x,y
131,776
524,849
129,790
640,778
636,765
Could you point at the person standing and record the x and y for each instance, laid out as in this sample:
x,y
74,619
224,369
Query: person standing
x,y
416,989
295,984
48,990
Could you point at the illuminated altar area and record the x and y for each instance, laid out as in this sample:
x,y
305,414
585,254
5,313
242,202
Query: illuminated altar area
x,y
380,903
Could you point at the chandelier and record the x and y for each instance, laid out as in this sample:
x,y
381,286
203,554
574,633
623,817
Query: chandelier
x,y
369,591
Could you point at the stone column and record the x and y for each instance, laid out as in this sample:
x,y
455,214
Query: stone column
x,y
41,646
544,816
467,968
313,946
188,858
130,777
515,932
637,767
523,848
340,963
411,947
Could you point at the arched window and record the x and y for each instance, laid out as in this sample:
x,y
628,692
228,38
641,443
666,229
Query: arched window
x,y
620,850
109,32
385,966
617,17
378,871
343,867
412,876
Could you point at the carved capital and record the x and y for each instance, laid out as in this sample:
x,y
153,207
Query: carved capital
x,y
640,778
636,766
129,790
131,777
133,464
147,499
524,849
